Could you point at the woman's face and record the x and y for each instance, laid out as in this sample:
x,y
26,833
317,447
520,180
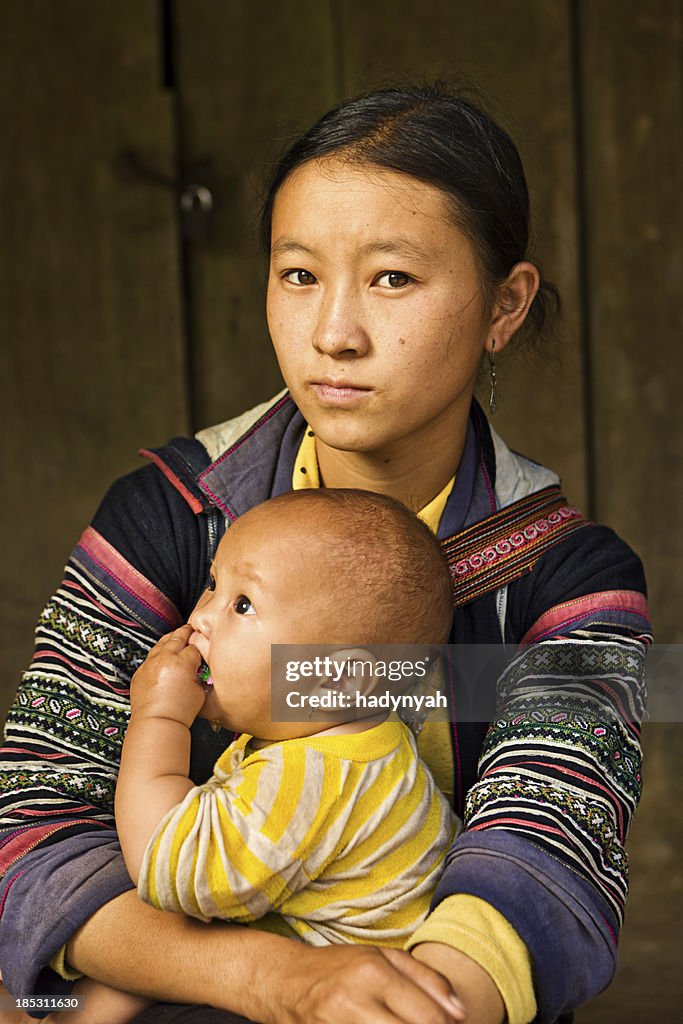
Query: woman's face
x,y
375,307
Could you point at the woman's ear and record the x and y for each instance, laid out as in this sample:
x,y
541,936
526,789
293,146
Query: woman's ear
x,y
513,301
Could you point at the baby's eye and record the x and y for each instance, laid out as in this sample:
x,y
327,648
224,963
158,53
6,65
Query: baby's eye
x,y
394,279
299,277
243,606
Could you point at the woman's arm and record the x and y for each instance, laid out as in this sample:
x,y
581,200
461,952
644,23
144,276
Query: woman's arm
x,y
264,977
121,591
560,768
474,986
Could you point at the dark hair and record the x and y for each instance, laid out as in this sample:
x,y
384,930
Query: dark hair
x,y
433,134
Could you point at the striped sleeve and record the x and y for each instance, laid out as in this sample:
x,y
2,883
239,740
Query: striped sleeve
x,y
65,728
560,771
562,760
63,734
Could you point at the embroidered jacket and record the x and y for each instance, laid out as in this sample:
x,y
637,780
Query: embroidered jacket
x,y
547,792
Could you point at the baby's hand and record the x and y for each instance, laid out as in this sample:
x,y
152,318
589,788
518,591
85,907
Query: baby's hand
x,y
166,685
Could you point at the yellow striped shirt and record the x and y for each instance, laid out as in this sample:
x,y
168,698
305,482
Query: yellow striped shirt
x,y
334,839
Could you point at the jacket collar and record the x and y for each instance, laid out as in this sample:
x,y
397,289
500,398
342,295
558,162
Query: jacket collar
x,y
259,465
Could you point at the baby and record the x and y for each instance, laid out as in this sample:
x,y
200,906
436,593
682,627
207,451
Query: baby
x,y
331,831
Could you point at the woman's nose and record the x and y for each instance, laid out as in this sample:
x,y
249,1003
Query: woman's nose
x,y
341,332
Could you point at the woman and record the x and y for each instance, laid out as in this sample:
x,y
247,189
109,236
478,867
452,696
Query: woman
x,y
397,229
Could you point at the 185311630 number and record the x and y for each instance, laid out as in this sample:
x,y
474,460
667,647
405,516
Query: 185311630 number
x,y
44,1003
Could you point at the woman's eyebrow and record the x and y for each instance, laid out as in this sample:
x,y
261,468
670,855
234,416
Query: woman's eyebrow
x,y
391,246
285,246
395,247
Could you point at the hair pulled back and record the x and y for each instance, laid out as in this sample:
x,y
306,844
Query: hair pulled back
x,y
433,134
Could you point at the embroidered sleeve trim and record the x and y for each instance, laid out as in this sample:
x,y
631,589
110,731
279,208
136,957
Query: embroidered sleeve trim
x,y
570,614
111,567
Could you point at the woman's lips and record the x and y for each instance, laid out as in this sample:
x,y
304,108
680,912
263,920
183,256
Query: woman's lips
x,y
338,394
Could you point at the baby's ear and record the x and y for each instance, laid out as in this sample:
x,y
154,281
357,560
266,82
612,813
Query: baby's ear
x,y
353,671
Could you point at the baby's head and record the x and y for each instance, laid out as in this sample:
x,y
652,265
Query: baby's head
x,y
337,567
371,571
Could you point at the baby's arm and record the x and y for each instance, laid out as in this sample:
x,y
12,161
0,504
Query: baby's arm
x,y
165,699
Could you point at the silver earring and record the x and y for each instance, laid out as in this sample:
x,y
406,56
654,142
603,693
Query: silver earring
x,y
492,377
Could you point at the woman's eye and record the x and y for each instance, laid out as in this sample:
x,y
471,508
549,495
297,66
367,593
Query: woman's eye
x,y
394,279
299,277
211,585
243,606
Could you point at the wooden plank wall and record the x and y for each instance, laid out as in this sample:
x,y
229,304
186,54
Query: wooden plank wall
x,y
629,61
91,359
238,102
116,335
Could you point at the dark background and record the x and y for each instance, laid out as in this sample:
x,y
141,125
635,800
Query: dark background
x,y
125,322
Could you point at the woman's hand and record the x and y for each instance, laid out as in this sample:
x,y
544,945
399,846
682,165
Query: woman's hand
x,y
166,685
358,985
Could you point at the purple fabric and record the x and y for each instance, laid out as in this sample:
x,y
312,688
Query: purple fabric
x,y
78,874
569,932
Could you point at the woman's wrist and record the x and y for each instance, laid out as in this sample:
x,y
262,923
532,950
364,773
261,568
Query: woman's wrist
x,y
471,983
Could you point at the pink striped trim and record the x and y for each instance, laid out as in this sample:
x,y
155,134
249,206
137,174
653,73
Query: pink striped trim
x,y
531,826
576,775
33,813
617,701
20,843
571,611
489,488
109,559
47,652
70,585
609,929
39,756
194,503
6,892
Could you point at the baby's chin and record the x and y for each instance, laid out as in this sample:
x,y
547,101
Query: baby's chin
x,y
211,712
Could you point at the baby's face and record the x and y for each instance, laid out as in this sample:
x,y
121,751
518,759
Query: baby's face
x,y
263,591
